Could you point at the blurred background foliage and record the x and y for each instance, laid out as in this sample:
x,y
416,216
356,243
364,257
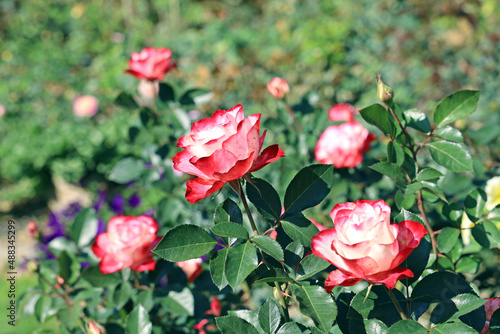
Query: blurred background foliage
x,y
50,52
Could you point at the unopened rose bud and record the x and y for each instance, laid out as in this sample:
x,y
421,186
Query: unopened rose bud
x,y
33,230
278,87
94,328
85,106
384,92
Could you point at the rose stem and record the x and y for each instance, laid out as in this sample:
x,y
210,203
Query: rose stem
x,y
236,185
396,303
420,202
292,115
154,108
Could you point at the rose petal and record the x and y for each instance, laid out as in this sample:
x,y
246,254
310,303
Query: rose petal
x,y
270,154
338,277
389,278
199,188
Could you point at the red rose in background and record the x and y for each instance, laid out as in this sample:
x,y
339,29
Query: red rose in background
x,y
278,87
343,145
364,245
192,268
492,304
151,63
342,112
127,244
220,149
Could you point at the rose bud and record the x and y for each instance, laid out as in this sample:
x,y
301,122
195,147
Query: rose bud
x,y
151,63
278,87
384,92
364,245
85,106
127,244
221,149
343,145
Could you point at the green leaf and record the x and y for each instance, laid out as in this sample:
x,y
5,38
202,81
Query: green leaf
x,y
417,120
407,326
434,189
126,101
310,266
166,93
454,327
84,228
60,244
196,97
316,304
495,322
300,229
375,326
241,261
265,198
126,170
94,276
395,153
228,211
308,188
138,321
232,324
456,106
179,302
249,316
413,188
486,234
185,242
468,264
453,156
447,239
450,133
392,170
289,328
427,174
417,260
407,215
231,230
122,294
43,308
466,303
69,267
269,245
218,268
269,316
474,204
376,115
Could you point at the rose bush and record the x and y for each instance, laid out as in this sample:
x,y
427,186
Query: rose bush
x,y
343,145
127,243
151,63
222,148
364,245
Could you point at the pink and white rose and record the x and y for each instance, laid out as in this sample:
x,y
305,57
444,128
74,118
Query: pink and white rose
x,y
127,243
278,87
364,245
151,63
220,149
343,145
342,112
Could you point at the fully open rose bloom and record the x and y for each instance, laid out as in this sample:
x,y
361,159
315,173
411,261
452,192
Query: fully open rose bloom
x,y
343,145
342,112
127,243
364,245
151,63
220,149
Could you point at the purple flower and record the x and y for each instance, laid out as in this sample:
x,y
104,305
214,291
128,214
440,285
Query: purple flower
x,y
101,227
72,210
134,201
55,228
101,200
117,204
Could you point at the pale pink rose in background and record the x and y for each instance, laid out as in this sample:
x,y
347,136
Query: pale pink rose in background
x,y
151,63
491,306
278,87
342,112
3,110
85,106
127,243
33,230
192,268
343,145
364,245
220,149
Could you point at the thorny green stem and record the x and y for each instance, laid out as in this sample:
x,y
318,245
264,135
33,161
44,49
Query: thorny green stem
x,y
282,302
292,116
396,303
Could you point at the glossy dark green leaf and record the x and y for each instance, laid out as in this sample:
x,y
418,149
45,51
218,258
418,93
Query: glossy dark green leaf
x,y
375,326
392,170
453,327
126,170
407,326
316,304
407,215
453,156
166,93
179,302
94,276
428,174
43,308
417,261
486,234
289,328
395,153
196,97
60,244
185,242
495,322
122,294
269,316
376,115
300,229
265,198
69,267
228,211
417,120
412,188
468,264
310,266
138,321
308,188
218,268
232,324
84,228
450,133
456,106
447,239
474,204
269,246
466,303
231,230
241,261
126,101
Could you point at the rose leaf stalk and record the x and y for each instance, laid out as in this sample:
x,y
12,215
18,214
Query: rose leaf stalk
x,y
396,303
